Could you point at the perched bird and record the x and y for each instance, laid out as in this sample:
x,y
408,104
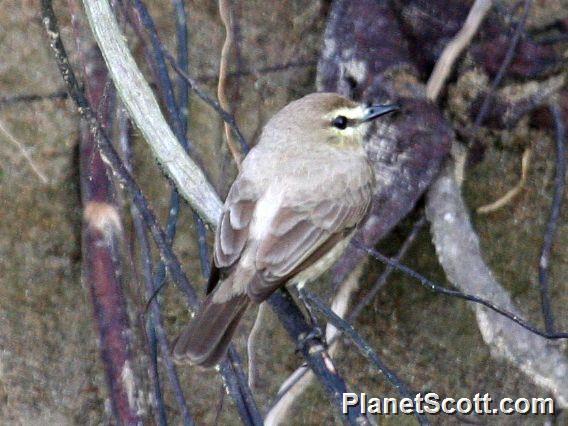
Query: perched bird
x,y
289,215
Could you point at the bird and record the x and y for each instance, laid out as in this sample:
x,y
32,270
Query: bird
x,y
301,192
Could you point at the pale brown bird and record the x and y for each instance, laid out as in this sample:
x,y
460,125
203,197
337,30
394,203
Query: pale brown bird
x,y
289,215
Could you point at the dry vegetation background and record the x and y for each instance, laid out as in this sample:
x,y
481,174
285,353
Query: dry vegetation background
x,y
49,367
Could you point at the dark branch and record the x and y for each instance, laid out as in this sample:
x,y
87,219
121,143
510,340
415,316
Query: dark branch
x,y
365,349
488,100
313,350
382,280
225,115
555,209
454,293
103,263
238,388
154,329
12,100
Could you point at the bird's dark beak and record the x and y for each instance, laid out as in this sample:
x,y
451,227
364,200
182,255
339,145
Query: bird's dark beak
x,y
375,111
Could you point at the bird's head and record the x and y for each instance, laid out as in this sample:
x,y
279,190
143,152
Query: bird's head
x,y
326,118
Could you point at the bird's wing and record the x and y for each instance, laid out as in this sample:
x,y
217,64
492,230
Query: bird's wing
x,y
299,231
233,229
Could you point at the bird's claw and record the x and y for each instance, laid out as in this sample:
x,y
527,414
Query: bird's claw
x,y
314,334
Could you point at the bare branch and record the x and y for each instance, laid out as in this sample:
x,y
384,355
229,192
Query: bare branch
x,y
555,209
154,328
513,192
459,253
225,12
297,383
145,112
504,65
455,48
365,349
13,100
23,150
225,115
314,352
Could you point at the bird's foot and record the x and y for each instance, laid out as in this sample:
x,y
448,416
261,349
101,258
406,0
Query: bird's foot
x,y
315,334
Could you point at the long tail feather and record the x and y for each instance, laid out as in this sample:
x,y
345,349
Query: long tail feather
x,y
206,338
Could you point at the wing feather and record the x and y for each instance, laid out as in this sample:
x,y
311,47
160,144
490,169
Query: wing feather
x,y
298,231
233,232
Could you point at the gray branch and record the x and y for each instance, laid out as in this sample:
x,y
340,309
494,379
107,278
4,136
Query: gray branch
x,y
145,113
457,246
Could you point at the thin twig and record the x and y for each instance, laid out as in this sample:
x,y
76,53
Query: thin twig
x,y
365,349
155,330
182,50
12,139
225,115
13,100
183,103
513,192
485,106
225,12
454,49
234,362
454,293
382,280
555,209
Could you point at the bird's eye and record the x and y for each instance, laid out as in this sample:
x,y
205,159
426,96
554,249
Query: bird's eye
x,y
339,122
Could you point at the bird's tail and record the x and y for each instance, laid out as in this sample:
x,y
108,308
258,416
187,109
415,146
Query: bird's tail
x,y
205,340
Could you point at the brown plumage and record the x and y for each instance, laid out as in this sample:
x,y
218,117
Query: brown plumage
x,y
301,191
